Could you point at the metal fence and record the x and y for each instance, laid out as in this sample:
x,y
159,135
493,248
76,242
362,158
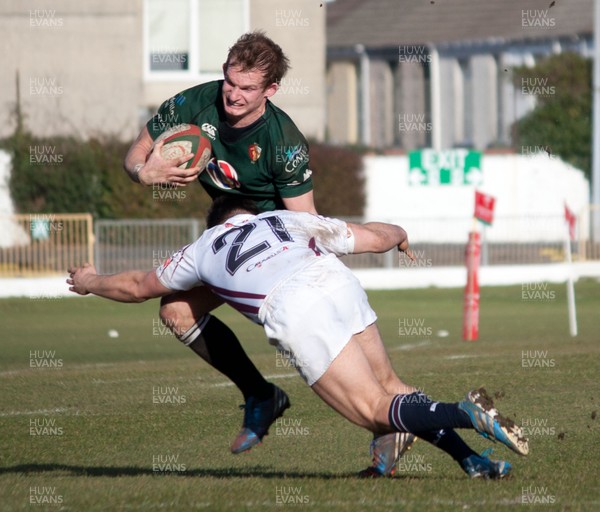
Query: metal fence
x,y
128,244
38,244
50,243
510,241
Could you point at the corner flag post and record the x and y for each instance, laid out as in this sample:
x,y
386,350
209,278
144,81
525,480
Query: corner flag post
x,y
484,212
570,235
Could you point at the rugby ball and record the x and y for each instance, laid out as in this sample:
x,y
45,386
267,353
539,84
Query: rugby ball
x,y
183,139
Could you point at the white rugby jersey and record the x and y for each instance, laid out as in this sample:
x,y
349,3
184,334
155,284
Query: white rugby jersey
x,y
243,259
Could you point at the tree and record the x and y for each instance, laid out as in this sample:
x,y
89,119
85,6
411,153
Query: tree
x,y
561,122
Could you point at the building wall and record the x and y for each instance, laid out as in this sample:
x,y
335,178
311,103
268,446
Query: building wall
x,y
411,104
299,28
342,103
78,66
81,65
382,125
452,103
484,106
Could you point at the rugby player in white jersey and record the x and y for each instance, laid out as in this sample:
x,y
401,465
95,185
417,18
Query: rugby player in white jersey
x,y
280,270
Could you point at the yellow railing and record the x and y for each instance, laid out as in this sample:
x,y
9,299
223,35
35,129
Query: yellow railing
x,y
44,243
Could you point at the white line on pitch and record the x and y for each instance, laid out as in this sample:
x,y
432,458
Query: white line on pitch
x,y
39,411
268,377
410,346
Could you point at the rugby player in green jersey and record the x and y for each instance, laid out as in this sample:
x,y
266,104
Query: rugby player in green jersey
x,y
257,152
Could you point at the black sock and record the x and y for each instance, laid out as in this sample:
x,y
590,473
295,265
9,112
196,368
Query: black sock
x,y
219,347
416,412
450,442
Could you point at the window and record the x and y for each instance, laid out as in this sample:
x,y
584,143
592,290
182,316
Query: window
x,y
188,39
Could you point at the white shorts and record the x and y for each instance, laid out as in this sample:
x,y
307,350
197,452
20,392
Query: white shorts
x,y
311,316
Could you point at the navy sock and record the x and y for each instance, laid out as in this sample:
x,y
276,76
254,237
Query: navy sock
x,y
450,442
219,346
416,412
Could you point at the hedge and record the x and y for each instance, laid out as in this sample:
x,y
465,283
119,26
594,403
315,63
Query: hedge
x,y
67,175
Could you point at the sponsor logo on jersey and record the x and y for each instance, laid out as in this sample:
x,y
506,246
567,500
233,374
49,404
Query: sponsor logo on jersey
x,y
312,244
307,174
223,174
178,99
254,151
210,130
174,258
295,157
165,264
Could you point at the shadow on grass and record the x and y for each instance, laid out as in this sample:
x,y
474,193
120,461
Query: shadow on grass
x,y
251,472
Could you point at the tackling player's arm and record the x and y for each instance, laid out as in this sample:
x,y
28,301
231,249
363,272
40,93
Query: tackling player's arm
x,y
130,286
144,164
379,237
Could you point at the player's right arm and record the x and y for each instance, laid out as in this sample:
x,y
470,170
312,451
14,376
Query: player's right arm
x,y
130,286
144,164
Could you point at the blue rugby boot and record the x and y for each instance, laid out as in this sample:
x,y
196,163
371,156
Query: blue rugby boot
x,y
258,417
386,451
491,424
480,466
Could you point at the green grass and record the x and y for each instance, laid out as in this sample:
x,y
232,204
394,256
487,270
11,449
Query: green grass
x,y
108,432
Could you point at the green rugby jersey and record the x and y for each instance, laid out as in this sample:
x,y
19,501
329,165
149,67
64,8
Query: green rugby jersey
x,y
265,161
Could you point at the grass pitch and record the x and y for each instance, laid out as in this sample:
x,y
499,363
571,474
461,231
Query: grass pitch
x,y
137,422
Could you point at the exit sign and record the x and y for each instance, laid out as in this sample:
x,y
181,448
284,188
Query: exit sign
x,y
451,167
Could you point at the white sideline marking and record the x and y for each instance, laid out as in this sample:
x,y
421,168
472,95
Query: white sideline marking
x,y
86,366
267,377
39,411
462,356
410,346
98,381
